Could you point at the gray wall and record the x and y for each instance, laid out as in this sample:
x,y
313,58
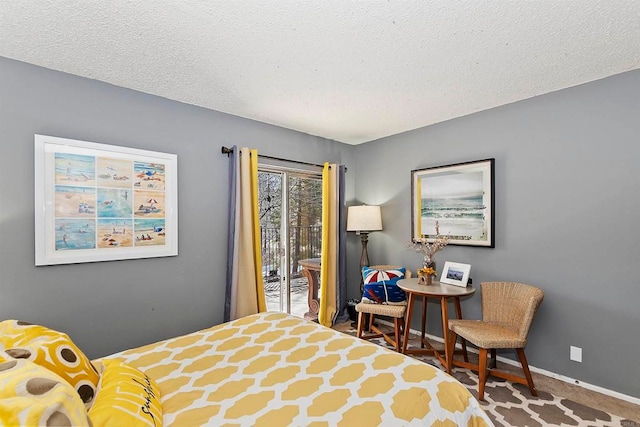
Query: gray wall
x,y
109,306
567,202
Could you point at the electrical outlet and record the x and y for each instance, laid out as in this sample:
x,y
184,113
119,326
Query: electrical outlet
x,y
575,354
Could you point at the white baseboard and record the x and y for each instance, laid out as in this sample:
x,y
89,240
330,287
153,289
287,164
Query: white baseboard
x,y
602,390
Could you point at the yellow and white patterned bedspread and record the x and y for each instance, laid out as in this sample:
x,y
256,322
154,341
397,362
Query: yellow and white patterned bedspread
x,y
272,369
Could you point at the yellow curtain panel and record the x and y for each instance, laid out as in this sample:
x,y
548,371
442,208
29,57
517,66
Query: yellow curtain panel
x,y
329,256
249,293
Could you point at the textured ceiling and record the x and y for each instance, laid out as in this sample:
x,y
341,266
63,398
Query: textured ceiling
x,y
351,71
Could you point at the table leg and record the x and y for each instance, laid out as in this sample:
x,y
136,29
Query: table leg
x,y
445,330
407,323
424,320
464,342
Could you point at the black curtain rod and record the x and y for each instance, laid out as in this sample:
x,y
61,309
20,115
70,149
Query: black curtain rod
x,y
228,151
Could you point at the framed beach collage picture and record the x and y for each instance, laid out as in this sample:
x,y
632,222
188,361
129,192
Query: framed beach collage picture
x,y
458,199
98,202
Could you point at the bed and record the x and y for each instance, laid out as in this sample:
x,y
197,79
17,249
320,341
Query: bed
x,y
273,369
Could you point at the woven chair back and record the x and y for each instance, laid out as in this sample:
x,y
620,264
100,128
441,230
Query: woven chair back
x,y
511,305
407,274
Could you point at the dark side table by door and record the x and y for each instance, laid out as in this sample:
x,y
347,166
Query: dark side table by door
x,y
311,270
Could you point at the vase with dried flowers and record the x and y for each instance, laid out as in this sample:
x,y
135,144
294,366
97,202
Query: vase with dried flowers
x,y
429,249
426,275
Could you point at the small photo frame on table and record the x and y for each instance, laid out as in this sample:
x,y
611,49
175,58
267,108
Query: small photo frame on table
x,y
455,273
98,202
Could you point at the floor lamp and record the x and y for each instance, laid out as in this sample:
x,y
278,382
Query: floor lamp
x,y
362,220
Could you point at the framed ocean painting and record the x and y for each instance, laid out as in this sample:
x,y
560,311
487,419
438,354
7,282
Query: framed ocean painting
x,y
98,202
459,199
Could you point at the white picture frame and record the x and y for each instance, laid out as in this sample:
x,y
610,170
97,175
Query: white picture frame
x,y
99,202
455,273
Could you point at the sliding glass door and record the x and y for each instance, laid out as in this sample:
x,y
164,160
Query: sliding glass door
x,y
291,231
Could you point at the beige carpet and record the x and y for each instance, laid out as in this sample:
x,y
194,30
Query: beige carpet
x,y
509,404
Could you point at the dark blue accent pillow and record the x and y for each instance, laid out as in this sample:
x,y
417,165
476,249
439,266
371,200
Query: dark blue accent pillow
x,y
380,286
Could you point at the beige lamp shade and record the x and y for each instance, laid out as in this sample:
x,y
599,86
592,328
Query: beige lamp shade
x,y
364,218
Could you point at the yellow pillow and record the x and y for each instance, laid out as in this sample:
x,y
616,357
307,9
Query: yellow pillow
x,y
32,395
55,351
126,397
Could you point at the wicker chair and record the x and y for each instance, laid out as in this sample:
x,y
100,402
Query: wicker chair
x,y
396,312
507,312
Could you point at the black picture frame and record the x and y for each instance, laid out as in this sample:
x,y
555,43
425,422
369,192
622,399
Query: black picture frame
x,y
459,198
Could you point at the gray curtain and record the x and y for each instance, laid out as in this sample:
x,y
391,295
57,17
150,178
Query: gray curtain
x,y
234,165
341,304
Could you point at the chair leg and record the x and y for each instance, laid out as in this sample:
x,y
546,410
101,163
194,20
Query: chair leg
x,y
450,345
465,355
371,317
482,372
527,373
494,358
396,330
360,324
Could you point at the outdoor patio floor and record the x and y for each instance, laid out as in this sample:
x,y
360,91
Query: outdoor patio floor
x,y
299,296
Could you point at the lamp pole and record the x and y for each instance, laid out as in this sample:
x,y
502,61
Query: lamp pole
x,y
364,257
